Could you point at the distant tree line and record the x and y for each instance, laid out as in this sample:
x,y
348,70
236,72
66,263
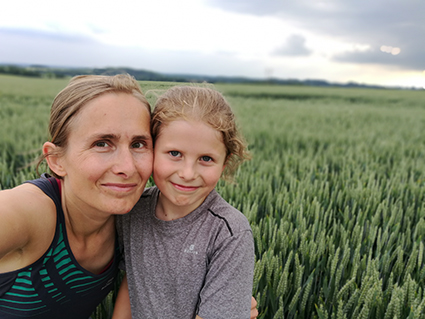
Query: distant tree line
x,y
143,75
52,72
16,70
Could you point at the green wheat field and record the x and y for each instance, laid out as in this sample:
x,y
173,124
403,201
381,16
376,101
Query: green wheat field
x,y
334,191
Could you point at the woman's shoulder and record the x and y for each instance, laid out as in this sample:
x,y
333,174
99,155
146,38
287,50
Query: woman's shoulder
x,y
150,191
149,195
25,198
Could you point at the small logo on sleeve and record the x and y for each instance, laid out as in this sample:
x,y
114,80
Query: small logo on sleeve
x,y
191,250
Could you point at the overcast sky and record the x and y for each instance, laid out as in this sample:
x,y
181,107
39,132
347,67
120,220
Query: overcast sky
x,y
372,42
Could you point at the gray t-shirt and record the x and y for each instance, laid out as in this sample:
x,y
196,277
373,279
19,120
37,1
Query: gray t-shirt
x,y
201,264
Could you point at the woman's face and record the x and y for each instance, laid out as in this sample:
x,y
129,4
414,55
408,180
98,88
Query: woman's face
x,y
109,155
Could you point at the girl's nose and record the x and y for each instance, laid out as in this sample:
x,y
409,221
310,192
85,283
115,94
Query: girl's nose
x,y
187,171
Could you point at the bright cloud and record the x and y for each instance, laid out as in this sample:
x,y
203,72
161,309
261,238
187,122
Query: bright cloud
x,y
331,40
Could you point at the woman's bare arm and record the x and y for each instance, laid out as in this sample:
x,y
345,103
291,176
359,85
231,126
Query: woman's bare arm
x,y
122,309
14,224
254,311
26,228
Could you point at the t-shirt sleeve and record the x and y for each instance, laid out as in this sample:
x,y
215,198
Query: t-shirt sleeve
x,y
227,289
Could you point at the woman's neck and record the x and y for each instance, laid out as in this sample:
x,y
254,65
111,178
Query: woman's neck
x,y
84,222
91,237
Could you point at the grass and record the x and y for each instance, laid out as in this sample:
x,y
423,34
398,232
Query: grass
x,y
334,191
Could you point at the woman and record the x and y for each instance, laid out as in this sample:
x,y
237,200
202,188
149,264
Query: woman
x,y
58,252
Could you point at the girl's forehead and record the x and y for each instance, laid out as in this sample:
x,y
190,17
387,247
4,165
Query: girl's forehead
x,y
179,124
191,130
191,138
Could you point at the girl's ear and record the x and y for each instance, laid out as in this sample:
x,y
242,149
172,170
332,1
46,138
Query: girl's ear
x,y
53,158
225,162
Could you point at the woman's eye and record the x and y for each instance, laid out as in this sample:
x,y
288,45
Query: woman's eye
x,y
101,144
138,145
206,159
174,153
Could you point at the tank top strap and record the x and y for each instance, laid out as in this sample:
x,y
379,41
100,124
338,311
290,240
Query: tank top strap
x,y
51,187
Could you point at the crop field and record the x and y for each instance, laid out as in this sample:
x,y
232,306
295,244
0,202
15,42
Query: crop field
x,y
334,191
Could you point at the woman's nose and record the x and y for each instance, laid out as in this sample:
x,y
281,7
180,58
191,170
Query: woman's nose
x,y
124,163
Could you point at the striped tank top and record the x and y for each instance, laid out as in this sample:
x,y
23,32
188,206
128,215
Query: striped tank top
x,y
55,286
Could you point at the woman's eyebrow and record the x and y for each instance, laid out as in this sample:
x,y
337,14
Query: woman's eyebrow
x,y
142,137
102,136
116,136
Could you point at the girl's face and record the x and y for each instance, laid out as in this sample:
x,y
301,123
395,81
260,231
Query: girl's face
x,y
109,155
189,159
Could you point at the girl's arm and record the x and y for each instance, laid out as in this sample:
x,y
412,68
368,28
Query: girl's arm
x,y
254,311
227,289
122,309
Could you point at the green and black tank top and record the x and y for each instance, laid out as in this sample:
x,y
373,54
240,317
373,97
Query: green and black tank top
x,y
55,286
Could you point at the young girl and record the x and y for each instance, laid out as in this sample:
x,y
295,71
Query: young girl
x,y
188,253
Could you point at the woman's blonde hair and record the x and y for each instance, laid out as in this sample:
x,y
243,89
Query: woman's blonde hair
x,y
81,90
206,105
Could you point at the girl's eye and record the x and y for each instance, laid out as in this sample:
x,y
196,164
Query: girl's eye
x,y
206,159
174,153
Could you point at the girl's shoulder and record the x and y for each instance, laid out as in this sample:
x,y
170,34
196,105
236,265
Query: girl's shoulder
x,y
149,195
221,210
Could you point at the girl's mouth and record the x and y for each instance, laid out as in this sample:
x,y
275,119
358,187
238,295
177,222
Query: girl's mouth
x,y
185,188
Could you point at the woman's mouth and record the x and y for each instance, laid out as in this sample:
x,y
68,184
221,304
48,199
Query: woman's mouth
x,y
121,187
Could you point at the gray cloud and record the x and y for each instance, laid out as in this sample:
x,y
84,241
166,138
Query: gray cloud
x,y
411,60
294,46
25,46
379,22
29,46
20,33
